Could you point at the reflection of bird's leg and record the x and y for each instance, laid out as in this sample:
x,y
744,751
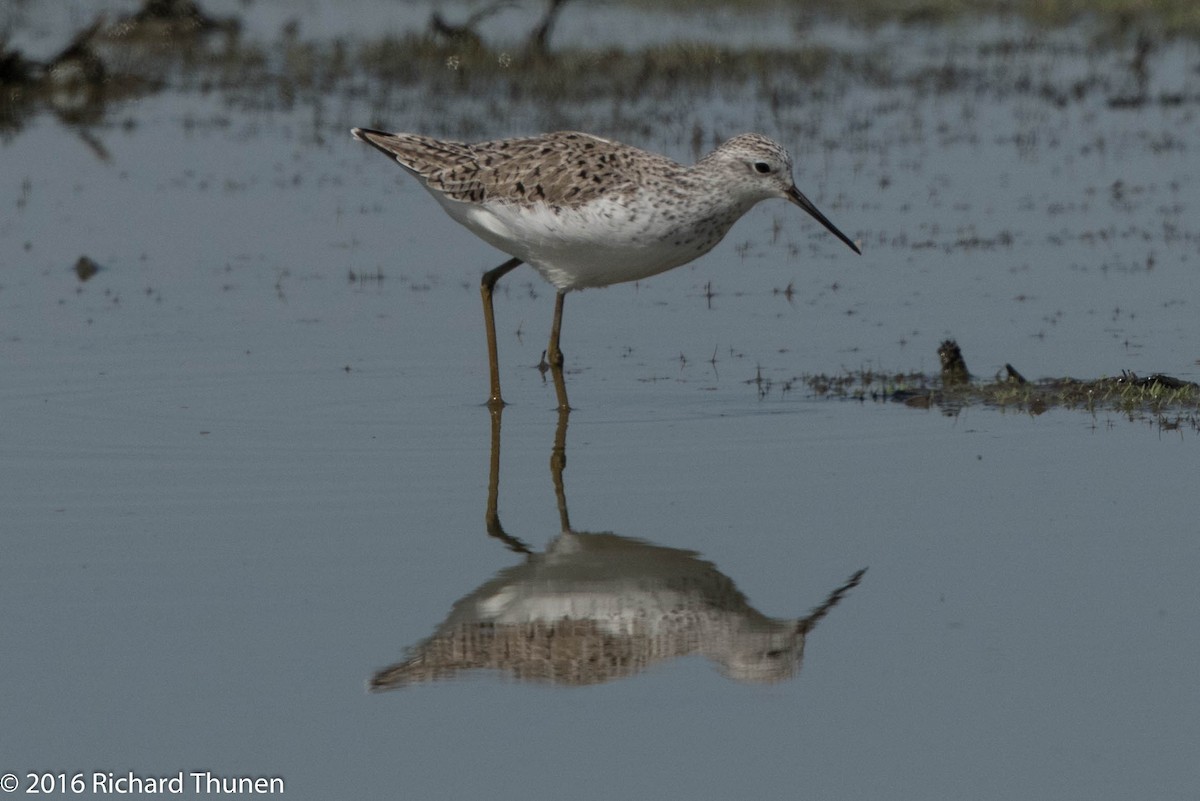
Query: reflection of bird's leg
x,y
492,515
489,321
558,462
554,354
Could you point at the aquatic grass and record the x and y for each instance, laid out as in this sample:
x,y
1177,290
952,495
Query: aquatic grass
x,y
431,72
580,73
1132,396
1164,17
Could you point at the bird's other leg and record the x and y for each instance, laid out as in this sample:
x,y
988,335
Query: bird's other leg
x,y
486,287
555,357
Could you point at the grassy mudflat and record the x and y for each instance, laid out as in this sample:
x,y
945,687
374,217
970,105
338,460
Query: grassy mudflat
x,y
1171,17
1169,402
127,55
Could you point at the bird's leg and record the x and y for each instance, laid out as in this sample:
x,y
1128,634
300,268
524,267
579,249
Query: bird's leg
x,y
554,354
489,322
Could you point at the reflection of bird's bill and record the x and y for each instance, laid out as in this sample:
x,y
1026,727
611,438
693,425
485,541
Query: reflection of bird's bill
x,y
814,617
797,197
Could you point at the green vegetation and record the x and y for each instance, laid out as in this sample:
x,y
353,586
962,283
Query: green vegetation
x,y
1164,17
1168,401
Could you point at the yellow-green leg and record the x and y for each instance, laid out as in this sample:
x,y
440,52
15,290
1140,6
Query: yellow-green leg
x,y
486,286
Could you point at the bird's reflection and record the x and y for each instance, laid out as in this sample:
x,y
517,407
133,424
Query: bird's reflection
x,y
106,64
595,607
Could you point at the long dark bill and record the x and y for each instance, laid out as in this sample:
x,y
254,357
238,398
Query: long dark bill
x,y
797,197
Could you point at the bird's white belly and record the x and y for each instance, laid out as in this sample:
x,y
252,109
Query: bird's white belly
x,y
603,242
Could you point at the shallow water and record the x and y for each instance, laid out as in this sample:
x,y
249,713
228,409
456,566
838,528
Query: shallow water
x,y
237,483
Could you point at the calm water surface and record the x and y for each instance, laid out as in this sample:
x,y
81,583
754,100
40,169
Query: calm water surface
x,y
236,483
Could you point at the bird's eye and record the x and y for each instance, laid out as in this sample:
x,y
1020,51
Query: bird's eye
x,y
762,167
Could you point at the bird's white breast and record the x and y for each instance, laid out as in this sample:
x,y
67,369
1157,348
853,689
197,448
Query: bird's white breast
x,y
605,241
